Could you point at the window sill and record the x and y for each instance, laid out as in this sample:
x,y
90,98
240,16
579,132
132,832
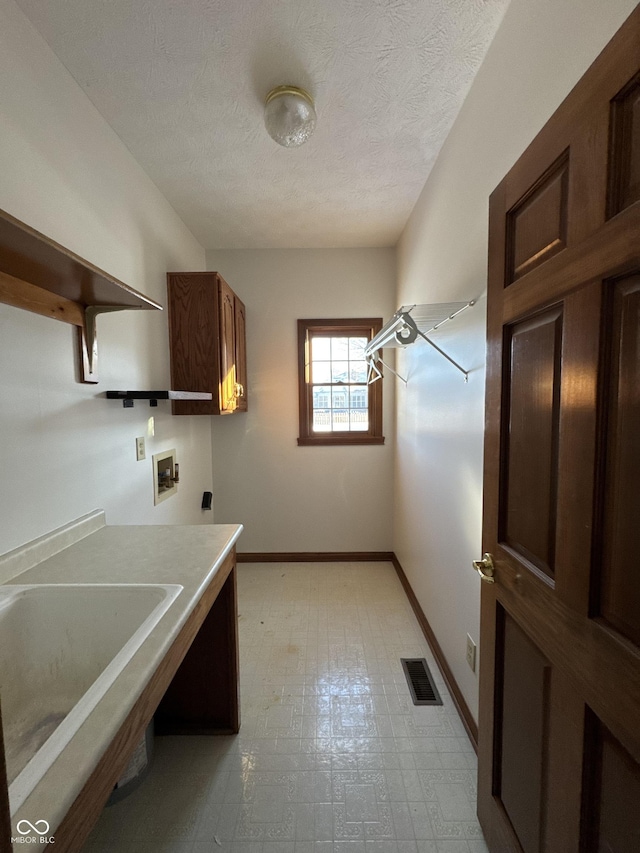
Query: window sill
x,y
341,440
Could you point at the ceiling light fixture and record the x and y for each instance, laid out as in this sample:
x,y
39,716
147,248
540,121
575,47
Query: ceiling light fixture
x,y
289,115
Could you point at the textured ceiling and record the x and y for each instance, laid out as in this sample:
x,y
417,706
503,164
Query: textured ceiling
x,y
182,82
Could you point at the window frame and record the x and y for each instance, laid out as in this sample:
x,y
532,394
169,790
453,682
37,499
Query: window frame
x,y
362,327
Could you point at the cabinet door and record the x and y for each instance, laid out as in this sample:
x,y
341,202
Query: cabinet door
x,y
227,348
193,302
241,356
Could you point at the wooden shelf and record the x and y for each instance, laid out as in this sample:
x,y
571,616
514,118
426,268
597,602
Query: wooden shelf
x,y
39,275
27,255
128,397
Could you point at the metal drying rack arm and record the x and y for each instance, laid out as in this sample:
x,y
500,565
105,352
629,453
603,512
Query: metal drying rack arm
x,y
403,329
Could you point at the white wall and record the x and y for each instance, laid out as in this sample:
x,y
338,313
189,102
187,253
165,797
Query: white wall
x,y
540,51
294,498
64,449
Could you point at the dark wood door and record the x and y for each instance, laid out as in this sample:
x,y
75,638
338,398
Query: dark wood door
x,y
559,740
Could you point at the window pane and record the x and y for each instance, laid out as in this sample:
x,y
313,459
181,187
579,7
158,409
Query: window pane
x,y
340,420
320,348
359,420
322,420
321,396
358,396
340,398
339,349
321,371
359,413
340,410
356,348
357,371
339,371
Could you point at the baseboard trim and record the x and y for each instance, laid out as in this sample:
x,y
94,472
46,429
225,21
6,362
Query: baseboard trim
x,y
316,557
456,694
388,557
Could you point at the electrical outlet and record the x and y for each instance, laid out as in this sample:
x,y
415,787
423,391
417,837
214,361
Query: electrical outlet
x,y
471,653
140,451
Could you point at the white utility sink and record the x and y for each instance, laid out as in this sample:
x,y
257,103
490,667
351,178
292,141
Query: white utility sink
x,y
61,648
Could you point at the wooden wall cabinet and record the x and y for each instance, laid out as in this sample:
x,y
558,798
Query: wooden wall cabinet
x,y
207,336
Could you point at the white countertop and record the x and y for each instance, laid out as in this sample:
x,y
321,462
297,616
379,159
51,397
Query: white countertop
x,y
189,555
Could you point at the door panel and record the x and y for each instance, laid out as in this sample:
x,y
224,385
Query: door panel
x,y
625,148
559,721
533,350
612,794
537,225
523,733
620,588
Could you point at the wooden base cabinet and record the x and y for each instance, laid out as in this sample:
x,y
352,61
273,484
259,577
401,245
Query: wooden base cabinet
x,y
5,819
207,336
195,690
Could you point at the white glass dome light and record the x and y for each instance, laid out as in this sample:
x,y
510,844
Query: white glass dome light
x,y
289,115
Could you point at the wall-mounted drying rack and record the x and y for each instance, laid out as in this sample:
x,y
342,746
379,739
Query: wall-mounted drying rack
x,y
39,275
128,397
407,324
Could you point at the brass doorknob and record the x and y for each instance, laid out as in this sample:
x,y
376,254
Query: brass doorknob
x,y
485,568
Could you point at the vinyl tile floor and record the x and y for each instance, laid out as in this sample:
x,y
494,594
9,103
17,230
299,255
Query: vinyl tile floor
x,y
332,756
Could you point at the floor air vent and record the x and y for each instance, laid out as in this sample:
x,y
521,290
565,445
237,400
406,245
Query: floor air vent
x,y
420,681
